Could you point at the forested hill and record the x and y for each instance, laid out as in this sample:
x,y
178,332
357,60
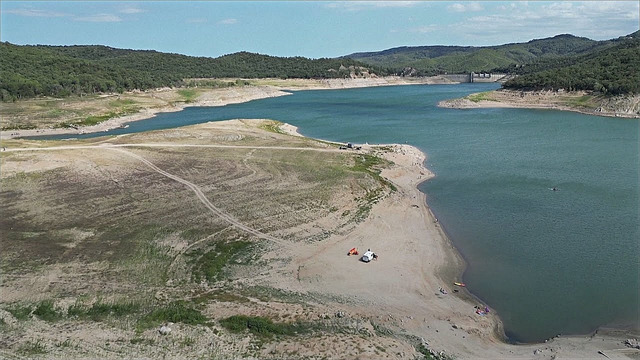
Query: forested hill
x,y
432,60
28,71
611,68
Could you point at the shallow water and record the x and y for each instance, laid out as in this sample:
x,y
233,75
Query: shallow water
x,y
549,262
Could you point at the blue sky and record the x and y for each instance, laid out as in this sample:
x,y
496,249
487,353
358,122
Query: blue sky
x,y
307,28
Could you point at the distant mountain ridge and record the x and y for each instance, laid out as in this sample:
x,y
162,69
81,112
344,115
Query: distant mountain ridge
x,y
440,59
563,61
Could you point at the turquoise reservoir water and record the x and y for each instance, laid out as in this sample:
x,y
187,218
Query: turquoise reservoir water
x,y
549,262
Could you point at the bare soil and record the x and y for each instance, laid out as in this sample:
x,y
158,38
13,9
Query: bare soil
x,y
579,101
135,224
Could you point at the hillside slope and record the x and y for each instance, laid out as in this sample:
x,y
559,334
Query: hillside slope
x,y
431,60
611,68
28,71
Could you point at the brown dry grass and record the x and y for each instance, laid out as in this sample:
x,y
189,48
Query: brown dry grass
x,y
97,225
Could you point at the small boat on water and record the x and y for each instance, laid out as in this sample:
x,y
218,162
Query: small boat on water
x,y
459,284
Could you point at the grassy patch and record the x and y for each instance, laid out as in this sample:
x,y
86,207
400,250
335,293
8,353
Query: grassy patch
x,y
45,311
482,96
121,103
584,101
261,326
64,344
372,197
209,265
18,127
372,165
100,311
188,94
272,126
20,312
176,312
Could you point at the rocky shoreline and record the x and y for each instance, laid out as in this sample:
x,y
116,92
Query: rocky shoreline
x,y
624,106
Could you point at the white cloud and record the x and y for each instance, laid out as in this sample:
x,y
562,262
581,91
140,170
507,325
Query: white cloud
x,y
362,5
131,10
458,7
393,3
99,18
425,29
228,21
522,21
34,13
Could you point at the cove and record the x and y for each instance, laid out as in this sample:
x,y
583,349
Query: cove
x,y
549,262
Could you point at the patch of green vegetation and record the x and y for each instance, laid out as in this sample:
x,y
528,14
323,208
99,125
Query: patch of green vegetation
x,y
176,312
121,103
364,208
381,330
428,355
45,311
366,163
100,311
209,265
584,101
482,96
64,344
272,126
265,293
371,165
262,326
32,348
18,127
188,94
20,312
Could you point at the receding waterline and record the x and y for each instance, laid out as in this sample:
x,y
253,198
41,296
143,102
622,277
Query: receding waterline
x,y
549,262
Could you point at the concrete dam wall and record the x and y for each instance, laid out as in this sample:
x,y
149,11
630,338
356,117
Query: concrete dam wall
x,y
473,77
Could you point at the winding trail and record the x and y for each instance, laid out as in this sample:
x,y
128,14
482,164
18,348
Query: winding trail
x,y
195,188
163,145
201,196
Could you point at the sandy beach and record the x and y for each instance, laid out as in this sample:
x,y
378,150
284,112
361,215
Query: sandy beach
x,y
416,260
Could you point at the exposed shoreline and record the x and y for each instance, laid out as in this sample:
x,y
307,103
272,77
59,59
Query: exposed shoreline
x,y
453,266
580,102
485,336
265,88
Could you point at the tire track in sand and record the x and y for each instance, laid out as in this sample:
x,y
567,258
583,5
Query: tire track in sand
x,y
201,196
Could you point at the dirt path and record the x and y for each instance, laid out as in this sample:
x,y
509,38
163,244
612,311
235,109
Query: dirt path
x,y
161,145
195,188
198,191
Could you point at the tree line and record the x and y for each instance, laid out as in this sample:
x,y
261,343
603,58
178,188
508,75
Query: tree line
x,y
29,71
611,70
